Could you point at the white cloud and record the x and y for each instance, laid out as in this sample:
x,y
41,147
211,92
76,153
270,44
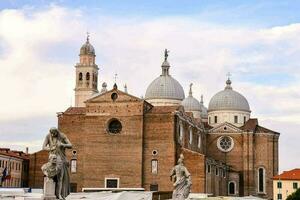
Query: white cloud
x,y
39,49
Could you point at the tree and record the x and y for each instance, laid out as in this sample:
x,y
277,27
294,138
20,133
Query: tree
x,y
295,195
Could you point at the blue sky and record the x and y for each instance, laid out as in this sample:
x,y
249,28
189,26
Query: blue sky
x,y
257,41
261,13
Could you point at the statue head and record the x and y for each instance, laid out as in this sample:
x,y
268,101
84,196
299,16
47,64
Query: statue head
x,y
54,132
52,158
180,160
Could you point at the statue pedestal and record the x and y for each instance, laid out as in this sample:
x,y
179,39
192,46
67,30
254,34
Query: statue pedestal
x,y
49,189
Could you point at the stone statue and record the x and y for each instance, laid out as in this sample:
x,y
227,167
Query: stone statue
x,y
166,54
56,143
50,168
182,180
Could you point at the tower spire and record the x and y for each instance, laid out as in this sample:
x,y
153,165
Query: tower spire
x,y
191,92
228,82
87,37
165,65
202,99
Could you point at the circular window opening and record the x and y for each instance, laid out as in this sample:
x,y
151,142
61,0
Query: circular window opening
x,y
154,152
114,96
225,128
225,143
114,126
74,152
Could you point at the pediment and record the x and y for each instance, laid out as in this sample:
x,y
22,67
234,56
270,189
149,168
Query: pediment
x,y
225,128
113,95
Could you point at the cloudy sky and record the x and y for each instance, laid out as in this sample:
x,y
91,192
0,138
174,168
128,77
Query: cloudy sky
x,y
257,41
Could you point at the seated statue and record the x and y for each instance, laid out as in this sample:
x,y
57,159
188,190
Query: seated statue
x,y
182,180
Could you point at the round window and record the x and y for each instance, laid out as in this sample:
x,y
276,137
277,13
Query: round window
x,y
114,96
225,143
114,126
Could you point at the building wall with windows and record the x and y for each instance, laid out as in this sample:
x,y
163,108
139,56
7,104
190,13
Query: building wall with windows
x,y
285,184
16,164
248,150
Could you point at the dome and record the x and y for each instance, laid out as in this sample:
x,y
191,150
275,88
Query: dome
x,y
228,99
204,114
165,86
190,103
87,48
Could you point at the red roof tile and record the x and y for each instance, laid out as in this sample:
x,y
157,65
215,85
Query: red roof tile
x,y
75,110
289,175
15,154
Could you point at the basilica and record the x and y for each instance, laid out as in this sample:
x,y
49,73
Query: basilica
x,y
124,142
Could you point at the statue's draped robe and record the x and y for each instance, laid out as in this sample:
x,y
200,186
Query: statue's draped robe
x,y
62,163
182,184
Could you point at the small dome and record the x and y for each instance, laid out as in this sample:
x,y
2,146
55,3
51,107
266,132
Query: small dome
x,y
165,86
87,48
228,99
204,114
190,103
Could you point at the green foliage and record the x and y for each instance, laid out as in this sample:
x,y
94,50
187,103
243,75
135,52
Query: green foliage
x,y
294,196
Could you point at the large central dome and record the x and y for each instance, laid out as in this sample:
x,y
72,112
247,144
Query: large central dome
x,y
165,89
228,99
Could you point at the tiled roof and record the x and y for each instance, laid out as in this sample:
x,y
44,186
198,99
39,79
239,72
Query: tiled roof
x,y
12,153
163,109
289,175
75,110
252,125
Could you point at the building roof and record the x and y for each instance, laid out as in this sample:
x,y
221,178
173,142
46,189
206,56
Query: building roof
x,y
288,175
75,110
228,99
87,48
253,126
165,86
14,153
190,103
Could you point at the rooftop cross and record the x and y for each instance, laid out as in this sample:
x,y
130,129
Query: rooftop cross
x,y
115,77
228,75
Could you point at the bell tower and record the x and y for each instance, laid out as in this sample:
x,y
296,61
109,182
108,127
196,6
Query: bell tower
x,y
86,74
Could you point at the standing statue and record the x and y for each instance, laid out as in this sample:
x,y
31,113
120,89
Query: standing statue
x,y
182,180
56,143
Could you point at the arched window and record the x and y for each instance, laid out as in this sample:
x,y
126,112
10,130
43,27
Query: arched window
x,y
261,179
244,119
231,188
199,141
191,135
87,76
181,132
216,119
80,76
154,166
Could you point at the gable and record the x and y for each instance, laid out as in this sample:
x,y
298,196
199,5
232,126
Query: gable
x,y
116,103
225,128
108,97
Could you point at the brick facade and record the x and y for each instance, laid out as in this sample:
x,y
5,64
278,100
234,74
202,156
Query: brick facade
x,y
154,137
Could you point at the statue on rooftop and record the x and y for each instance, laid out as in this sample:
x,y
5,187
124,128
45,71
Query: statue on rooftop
x,y
56,143
182,180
